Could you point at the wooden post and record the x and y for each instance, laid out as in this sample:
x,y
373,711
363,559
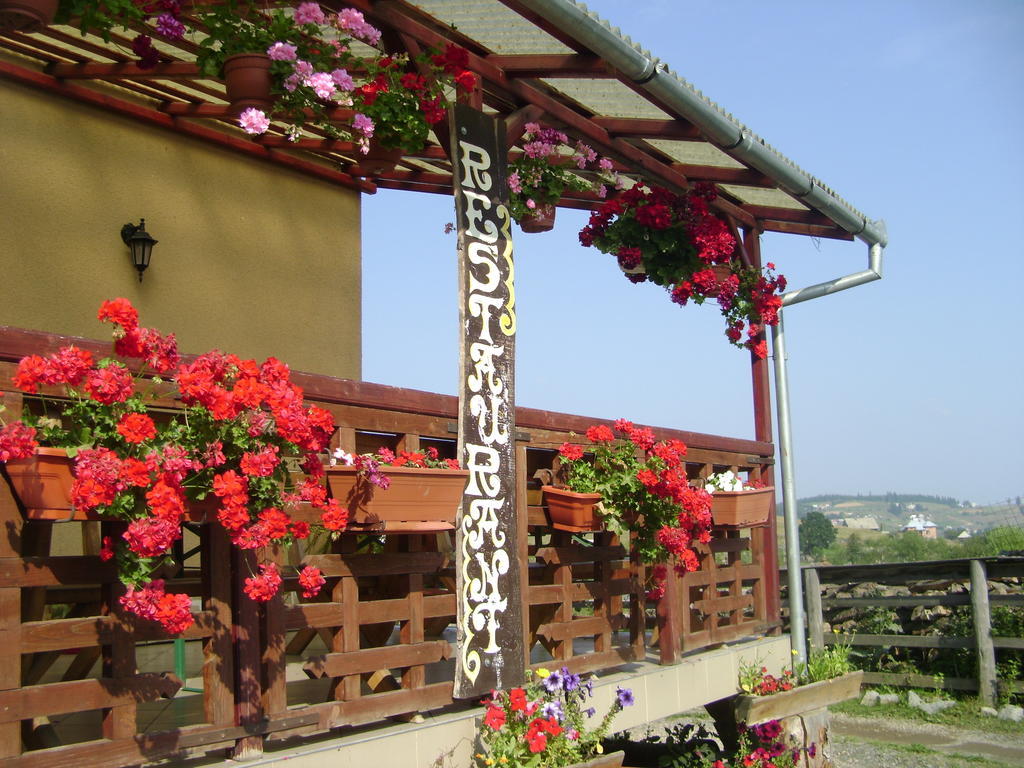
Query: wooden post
x,y
983,634
669,641
488,582
246,636
815,617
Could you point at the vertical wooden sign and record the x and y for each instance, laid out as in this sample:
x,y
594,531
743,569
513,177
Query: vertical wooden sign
x,y
490,616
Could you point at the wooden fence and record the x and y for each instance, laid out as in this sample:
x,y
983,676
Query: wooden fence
x,y
933,576
83,683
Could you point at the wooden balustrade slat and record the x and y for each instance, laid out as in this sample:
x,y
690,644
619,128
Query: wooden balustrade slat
x,y
723,604
576,554
567,630
368,709
53,571
722,575
78,695
372,659
376,565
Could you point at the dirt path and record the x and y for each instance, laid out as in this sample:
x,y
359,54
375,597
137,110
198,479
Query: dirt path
x,y
860,742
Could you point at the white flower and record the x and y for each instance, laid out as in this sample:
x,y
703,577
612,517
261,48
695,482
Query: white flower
x,y
340,455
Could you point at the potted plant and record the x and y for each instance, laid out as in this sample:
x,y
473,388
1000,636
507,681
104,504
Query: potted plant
x,y
736,503
827,678
407,491
298,66
546,724
222,459
547,167
674,241
644,490
26,15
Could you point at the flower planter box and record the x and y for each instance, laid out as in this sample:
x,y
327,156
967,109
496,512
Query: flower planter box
x,y
742,509
540,219
611,760
571,511
42,483
417,499
803,698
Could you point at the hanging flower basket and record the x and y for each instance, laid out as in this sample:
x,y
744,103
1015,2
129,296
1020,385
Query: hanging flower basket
x,y
416,499
571,511
377,161
803,698
742,509
247,80
26,15
721,271
539,219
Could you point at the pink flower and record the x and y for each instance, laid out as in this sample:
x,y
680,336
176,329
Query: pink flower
x,y
531,204
322,83
363,124
254,121
351,20
343,80
309,13
282,52
514,182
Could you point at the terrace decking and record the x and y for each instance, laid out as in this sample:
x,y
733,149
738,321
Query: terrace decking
x,y
92,687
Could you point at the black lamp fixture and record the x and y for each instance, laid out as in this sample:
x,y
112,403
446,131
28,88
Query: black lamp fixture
x,y
141,244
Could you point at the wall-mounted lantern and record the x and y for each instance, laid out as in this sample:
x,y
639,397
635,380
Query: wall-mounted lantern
x,y
141,244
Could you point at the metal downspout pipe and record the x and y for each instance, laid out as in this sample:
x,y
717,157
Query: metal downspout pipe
x,y
651,76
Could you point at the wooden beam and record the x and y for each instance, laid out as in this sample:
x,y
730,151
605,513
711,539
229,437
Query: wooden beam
x,y
515,124
174,70
813,230
797,215
552,65
394,15
142,114
744,176
646,128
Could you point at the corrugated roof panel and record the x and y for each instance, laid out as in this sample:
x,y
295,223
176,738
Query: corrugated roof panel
x,y
774,198
492,24
695,153
607,97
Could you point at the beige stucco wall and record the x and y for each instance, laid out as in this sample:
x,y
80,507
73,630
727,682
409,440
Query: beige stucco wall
x,y
252,259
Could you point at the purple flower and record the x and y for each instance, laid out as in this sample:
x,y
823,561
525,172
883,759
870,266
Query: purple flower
x,y
590,711
553,682
624,696
553,709
168,26
572,682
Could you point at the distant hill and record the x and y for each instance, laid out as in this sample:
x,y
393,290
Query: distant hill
x,y
893,510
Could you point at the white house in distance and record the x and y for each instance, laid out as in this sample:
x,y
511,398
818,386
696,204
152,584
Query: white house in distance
x,y
921,526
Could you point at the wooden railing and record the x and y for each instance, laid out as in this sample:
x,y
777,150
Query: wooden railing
x,y
971,575
82,683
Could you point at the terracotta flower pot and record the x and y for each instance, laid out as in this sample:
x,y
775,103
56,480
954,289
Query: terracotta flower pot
x,y
722,271
42,483
803,698
540,219
742,509
417,499
247,80
378,160
26,15
571,511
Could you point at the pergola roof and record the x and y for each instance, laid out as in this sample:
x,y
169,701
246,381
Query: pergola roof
x,y
546,60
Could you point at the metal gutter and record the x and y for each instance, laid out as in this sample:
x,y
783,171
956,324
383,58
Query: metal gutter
x,y
737,141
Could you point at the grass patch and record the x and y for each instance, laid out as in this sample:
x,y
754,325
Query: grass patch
x,y
966,714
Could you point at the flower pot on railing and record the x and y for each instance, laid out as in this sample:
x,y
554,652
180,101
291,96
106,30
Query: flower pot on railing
x,y
803,698
247,80
742,509
539,219
416,499
42,483
571,511
26,15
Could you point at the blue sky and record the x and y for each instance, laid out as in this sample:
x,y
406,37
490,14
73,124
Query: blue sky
x,y
912,111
